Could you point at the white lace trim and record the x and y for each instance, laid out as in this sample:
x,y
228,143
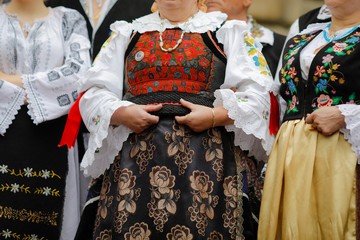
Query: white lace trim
x,y
104,144
352,130
34,101
251,130
201,22
12,111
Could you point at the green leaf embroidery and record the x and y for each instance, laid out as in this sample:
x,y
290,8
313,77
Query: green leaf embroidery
x,y
336,100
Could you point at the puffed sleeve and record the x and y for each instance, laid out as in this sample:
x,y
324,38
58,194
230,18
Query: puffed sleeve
x,y
103,84
51,93
12,97
352,130
249,105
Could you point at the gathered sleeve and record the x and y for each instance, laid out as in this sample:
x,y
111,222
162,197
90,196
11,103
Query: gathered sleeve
x,y
51,93
249,106
12,97
103,84
352,130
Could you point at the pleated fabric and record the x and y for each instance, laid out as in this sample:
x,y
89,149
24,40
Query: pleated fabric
x,y
310,187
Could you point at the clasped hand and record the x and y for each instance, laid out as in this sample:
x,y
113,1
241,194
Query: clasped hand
x,y
326,120
138,117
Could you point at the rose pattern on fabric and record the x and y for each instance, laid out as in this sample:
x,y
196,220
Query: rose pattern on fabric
x,y
214,152
139,231
142,149
179,142
163,196
127,196
203,205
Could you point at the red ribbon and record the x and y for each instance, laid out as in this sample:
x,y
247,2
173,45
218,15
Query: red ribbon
x,y
274,115
72,125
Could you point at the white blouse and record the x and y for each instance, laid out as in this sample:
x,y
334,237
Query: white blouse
x,y
50,60
350,111
249,106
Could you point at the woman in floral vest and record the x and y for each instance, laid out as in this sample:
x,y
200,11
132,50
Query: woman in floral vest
x,y
312,179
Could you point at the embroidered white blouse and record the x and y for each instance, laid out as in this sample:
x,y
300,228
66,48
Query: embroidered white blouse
x,y
50,60
249,106
350,111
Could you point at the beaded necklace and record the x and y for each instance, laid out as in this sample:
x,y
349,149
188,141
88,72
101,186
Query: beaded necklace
x,y
178,42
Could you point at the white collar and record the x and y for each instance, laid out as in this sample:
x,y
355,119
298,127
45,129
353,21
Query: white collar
x,y
200,23
324,13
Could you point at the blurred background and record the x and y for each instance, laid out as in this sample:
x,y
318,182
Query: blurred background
x,y
278,15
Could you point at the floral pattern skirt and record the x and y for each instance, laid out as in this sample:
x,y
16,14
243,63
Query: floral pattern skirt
x,y
172,183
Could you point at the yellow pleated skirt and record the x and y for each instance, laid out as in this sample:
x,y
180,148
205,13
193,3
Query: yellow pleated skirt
x,y
310,187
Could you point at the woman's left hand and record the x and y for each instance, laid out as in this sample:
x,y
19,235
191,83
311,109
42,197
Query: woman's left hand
x,y
326,120
199,119
202,118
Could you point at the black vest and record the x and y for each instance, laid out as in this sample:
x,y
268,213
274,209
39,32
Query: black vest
x,y
333,77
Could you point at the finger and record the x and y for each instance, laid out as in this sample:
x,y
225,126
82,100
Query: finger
x,y
309,118
180,119
153,119
152,108
187,104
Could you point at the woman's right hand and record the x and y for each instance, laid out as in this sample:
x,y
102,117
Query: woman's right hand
x,y
136,117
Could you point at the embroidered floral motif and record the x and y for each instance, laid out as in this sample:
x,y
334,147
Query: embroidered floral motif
x,y
179,146
179,232
142,148
96,119
292,104
12,235
175,71
345,47
243,99
231,196
47,191
163,196
140,231
202,208
30,216
266,114
127,196
215,236
258,57
256,30
28,172
214,151
105,235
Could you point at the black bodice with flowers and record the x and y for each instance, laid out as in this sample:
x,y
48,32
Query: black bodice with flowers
x,y
192,71
334,76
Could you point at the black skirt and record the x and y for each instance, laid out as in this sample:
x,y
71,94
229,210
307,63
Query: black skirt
x,y
33,170
172,183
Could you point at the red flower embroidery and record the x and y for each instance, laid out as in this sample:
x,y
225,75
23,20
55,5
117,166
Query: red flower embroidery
x,y
339,47
292,72
324,101
320,70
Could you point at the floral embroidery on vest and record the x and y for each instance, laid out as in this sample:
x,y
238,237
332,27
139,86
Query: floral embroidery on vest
x,y
183,70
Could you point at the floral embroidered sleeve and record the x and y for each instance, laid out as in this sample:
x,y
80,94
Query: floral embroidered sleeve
x,y
51,93
12,97
103,84
249,106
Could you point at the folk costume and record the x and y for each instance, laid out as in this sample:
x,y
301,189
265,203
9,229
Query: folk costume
x,y
38,179
112,10
272,43
169,180
310,184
